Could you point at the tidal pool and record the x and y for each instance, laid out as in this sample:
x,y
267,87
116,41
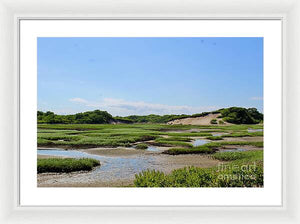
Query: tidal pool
x,y
116,171
111,167
198,142
153,149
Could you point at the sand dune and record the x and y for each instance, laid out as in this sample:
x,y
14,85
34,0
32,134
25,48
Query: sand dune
x,y
197,120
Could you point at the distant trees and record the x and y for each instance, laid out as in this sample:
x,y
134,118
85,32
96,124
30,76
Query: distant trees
x,y
240,115
235,115
152,118
89,117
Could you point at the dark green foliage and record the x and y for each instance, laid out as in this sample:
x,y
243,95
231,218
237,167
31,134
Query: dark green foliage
x,y
65,165
221,122
236,115
214,121
141,146
153,118
89,117
255,114
239,115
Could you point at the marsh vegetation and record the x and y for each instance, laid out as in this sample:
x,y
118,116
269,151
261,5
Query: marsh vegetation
x,y
65,165
244,170
160,155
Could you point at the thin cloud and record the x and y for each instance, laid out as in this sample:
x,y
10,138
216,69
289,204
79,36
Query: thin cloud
x,y
123,108
257,98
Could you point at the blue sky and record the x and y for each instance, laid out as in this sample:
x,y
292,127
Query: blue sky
x,y
126,76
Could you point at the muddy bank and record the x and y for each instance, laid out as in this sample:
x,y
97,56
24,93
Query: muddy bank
x,y
236,148
122,152
244,139
47,157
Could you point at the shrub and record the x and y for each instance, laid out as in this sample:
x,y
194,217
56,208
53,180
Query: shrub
x,y
239,115
65,165
213,121
141,146
221,122
151,178
203,177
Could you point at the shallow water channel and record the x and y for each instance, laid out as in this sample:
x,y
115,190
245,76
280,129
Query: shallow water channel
x,y
199,142
111,168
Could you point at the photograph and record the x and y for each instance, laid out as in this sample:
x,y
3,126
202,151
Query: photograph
x,y
159,112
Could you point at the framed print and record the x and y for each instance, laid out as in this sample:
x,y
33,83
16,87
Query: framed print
x,y
150,112
120,113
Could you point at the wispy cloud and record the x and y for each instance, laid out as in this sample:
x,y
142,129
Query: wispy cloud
x,y
78,100
257,98
123,108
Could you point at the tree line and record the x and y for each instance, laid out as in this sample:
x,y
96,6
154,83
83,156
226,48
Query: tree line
x,y
235,115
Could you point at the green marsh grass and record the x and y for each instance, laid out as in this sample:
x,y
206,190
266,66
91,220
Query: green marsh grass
x,y
209,148
141,146
65,165
244,170
126,135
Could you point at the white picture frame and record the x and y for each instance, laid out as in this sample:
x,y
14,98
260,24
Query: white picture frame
x,y
10,212
269,195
